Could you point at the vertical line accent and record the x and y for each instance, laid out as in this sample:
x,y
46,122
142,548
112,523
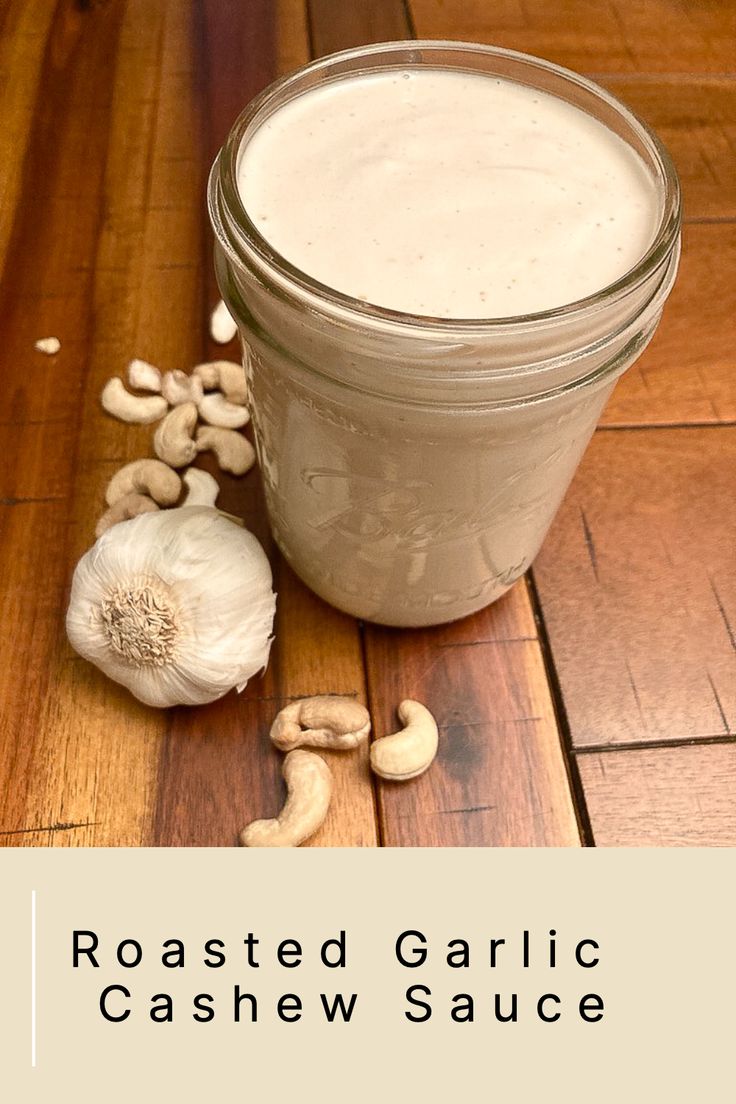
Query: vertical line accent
x,y
33,978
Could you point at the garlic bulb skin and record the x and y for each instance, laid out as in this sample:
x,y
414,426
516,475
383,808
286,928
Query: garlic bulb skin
x,y
176,605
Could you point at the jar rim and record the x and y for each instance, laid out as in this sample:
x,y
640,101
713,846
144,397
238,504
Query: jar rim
x,y
223,179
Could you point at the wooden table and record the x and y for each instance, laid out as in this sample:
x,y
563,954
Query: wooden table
x,y
596,703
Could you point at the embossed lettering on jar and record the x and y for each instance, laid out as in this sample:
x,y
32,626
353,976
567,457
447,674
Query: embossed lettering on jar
x,y
417,427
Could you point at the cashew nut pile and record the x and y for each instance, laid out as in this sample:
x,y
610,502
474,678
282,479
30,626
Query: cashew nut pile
x,y
338,724
214,394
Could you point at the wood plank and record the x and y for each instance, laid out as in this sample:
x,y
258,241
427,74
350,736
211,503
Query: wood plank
x,y
687,372
218,769
104,747
336,25
500,777
292,40
51,254
23,34
638,588
147,273
592,36
662,797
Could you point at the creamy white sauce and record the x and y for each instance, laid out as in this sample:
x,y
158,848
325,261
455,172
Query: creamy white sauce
x,y
448,194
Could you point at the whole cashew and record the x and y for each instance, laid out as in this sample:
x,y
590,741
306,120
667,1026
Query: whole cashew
x,y
407,753
144,376
141,410
202,488
225,376
150,477
309,790
215,409
234,452
223,326
339,723
178,387
129,506
172,441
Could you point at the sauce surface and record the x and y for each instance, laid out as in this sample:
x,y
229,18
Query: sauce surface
x,y
448,194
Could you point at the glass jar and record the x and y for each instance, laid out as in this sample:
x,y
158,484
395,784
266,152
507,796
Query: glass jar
x,y
413,465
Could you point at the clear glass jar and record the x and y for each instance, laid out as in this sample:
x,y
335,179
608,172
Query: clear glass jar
x,y
412,466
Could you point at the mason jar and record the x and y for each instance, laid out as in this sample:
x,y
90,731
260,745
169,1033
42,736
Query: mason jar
x,y
412,465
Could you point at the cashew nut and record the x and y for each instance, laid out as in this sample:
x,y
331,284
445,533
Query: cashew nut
x,y
129,506
144,376
225,376
234,452
48,345
141,410
309,790
339,723
407,753
215,409
178,387
150,477
202,488
172,441
223,326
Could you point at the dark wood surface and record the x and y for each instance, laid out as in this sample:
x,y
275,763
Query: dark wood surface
x,y
596,703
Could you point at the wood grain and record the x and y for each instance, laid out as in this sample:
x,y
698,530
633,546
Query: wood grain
x,y
292,39
336,25
638,588
593,36
23,34
663,797
59,763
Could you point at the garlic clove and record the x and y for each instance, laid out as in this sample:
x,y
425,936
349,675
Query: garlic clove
x,y
175,605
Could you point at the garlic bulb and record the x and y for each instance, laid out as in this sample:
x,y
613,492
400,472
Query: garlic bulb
x,y
176,605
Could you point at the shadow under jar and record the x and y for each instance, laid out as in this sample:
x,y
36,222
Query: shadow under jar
x,y
413,463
